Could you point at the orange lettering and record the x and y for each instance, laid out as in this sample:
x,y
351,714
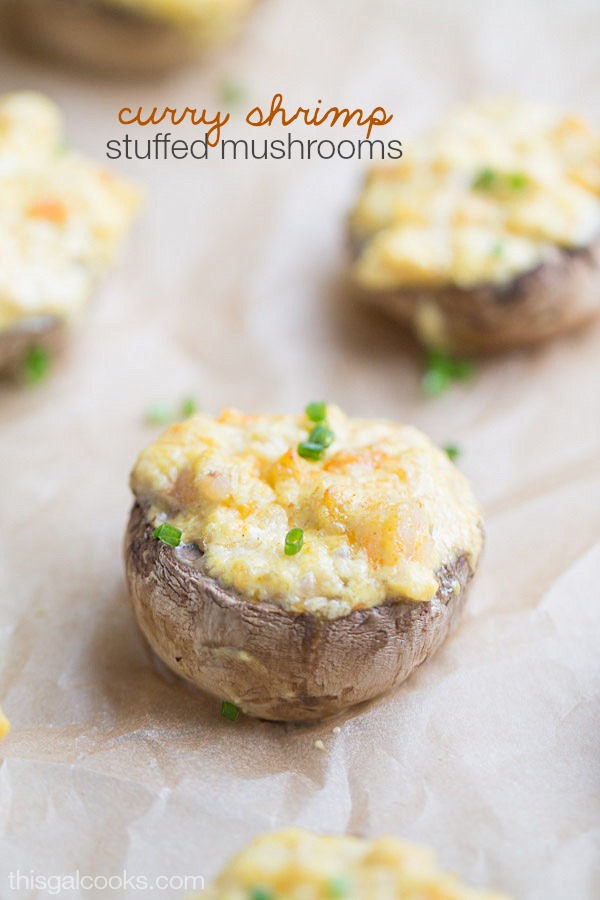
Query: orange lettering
x,y
256,117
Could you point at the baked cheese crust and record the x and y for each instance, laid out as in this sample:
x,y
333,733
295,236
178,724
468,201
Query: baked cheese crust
x,y
381,512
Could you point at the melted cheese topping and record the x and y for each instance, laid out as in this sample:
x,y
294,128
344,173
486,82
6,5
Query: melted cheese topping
x,y
486,197
297,865
381,512
209,18
4,725
61,217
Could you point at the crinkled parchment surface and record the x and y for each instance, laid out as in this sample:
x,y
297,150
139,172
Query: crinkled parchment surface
x,y
233,290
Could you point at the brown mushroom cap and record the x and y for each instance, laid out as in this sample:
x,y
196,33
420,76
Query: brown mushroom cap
x,y
272,663
100,35
559,295
97,35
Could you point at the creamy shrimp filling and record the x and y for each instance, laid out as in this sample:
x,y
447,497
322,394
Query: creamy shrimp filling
x,y
380,512
296,864
61,217
487,196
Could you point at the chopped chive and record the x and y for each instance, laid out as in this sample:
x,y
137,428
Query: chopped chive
x,y
36,365
452,451
437,359
261,893
489,180
294,540
485,180
163,413
434,382
316,412
189,407
308,450
517,181
461,369
168,534
231,92
159,414
321,434
229,710
338,887
441,370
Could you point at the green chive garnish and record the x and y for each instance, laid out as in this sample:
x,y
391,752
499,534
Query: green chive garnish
x,y
452,451
159,414
293,541
489,180
434,382
485,180
441,370
517,181
36,365
261,893
189,407
231,92
168,534
460,369
229,711
163,413
321,434
338,887
316,412
308,450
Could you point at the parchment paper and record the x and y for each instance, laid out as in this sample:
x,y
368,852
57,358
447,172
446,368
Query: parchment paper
x,y
233,290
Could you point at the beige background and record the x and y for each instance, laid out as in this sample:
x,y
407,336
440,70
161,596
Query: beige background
x,y
233,290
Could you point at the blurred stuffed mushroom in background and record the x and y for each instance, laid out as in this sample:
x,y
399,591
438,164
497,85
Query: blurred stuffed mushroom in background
x,y
142,36
295,864
486,235
62,221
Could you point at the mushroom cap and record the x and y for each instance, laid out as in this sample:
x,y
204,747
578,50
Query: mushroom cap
x,y
270,662
111,37
559,295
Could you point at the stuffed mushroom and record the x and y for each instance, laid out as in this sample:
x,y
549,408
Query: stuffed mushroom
x,y
62,219
297,565
486,235
295,864
126,35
